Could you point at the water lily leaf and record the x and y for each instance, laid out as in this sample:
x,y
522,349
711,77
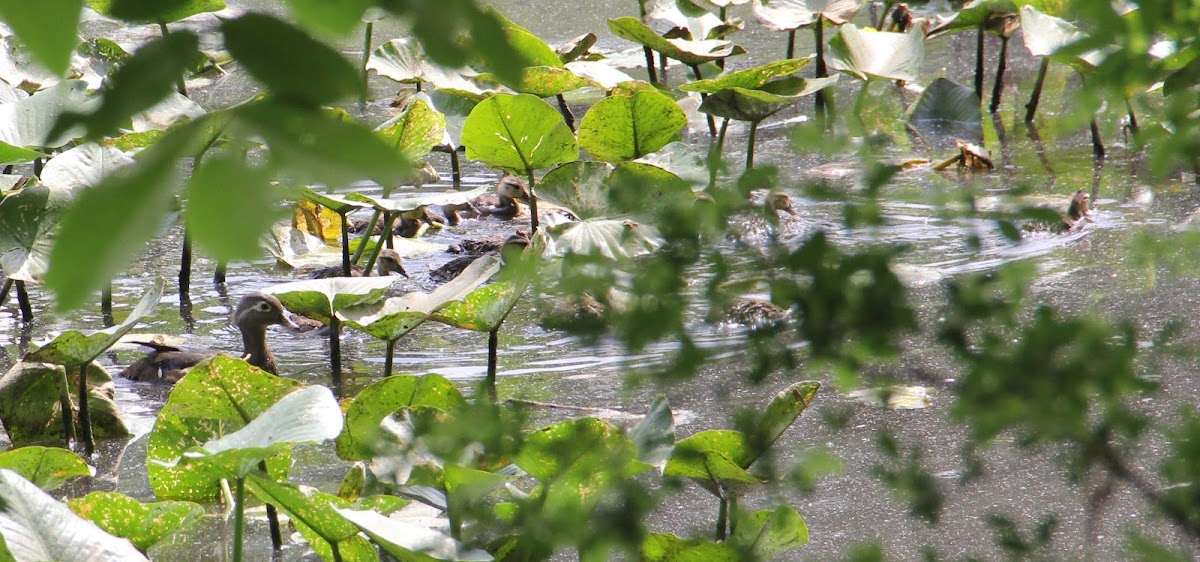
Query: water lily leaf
x,y
578,186
758,104
85,165
708,458
317,146
634,187
682,18
173,108
403,60
218,396
416,131
231,203
750,78
533,50
612,238
297,249
518,133
666,547
385,397
336,18
36,526
339,205
600,73
575,48
411,542
680,159
29,224
691,53
394,317
31,396
628,127
769,533
46,467
315,512
1045,35
47,29
542,81
783,409
10,154
787,15
292,64
29,122
879,54
73,348
151,11
144,524
321,298
947,101
485,308
654,436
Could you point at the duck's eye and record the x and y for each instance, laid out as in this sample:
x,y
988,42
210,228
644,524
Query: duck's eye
x,y
263,307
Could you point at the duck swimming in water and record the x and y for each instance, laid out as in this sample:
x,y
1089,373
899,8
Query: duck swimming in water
x,y
253,314
389,262
454,267
503,203
1078,212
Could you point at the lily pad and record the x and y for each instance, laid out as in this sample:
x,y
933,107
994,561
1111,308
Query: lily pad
x,y
600,73
416,131
754,105
28,123
1046,35
385,397
144,524
32,395
680,159
578,186
628,127
151,11
877,54
518,133
542,81
947,101
36,526
750,78
635,187
403,60
315,515
682,18
485,308
408,541
414,201
769,533
321,298
691,53
611,238
666,547
296,248
73,348
788,15
28,228
217,397
47,467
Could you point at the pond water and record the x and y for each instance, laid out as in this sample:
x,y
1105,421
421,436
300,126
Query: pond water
x,y
1094,270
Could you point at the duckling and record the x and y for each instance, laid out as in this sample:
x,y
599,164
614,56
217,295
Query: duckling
x,y
503,203
765,222
253,314
387,263
451,214
755,313
454,267
1078,212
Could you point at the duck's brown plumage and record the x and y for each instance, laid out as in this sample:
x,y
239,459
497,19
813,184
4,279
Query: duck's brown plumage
x,y
503,203
455,267
253,314
388,262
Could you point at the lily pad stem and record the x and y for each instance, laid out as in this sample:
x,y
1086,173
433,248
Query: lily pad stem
x,y
750,145
362,96
712,123
8,283
791,48
23,302
979,62
566,112
180,86
493,345
335,348
385,235
455,170
85,414
64,406
722,519
185,263
721,135
887,7
105,305
822,71
998,86
366,236
1097,143
345,243
219,273
337,554
1133,123
650,65
533,212
387,361
272,517
239,518
1031,107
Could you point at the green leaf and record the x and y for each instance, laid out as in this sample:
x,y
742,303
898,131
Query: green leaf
x,y
29,224
412,202
665,547
485,308
46,467
315,146
634,187
1045,35
144,524
231,204
46,28
385,397
784,408
10,154
611,238
654,436
628,127
404,61
877,54
335,18
750,78
518,133
321,298
411,542
416,131
217,397
533,51
152,11
84,166
36,526
769,533
29,122
73,348
578,186
31,407
315,513
708,458
688,52
292,64
541,81
138,84
579,449
787,15
758,104
947,101
392,318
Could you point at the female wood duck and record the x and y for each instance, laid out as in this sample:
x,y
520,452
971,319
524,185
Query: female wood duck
x,y
253,314
503,203
387,263
1078,212
475,249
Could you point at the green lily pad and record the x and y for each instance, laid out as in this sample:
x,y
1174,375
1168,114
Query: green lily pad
x,y
394,317
680,159
758,104
47,467
485,308
769,533
634,187
691,53
73,348
36,526
383,398
947,101
518,133
612,238
152,11
788,15
705,458
412,202
628,127
542,81
578,186
416,131
321,298
47,29
28,228
404,61
411,542
666,547
781,412
28,123
31,397
217,397
144,524
750,78
877,54
1045,35
292,64
313,512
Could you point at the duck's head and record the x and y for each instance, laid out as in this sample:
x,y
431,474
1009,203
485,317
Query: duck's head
x,y
1080,206
259,310
513,187
780,201
389,262
514,245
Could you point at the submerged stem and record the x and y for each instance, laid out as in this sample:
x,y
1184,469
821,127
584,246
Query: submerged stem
x,y
1031,107
366,236
362,96
345,245
533,210
979,62
493,348
387,362
750,145
64,406
712,123
180,85
335,348
85,415
185,263
998,86
239,518
23,302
